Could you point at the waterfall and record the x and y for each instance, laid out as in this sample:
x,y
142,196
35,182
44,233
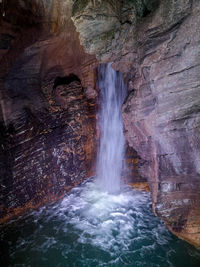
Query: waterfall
x,y
111,151
92,227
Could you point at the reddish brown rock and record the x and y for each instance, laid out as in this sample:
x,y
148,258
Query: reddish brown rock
x,y
48,125
131,167
47,153
141,186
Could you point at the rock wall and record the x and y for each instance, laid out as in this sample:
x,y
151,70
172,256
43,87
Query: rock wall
x,y
48,100
165,130
131,173
47,153
48,105
156,44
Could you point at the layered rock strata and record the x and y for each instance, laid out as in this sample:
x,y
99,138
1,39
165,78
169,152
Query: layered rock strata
x,y
131,169
48,102
156,44
47,154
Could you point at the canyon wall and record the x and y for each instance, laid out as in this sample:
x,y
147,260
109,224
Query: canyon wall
x,y
49,98
156,44
48,105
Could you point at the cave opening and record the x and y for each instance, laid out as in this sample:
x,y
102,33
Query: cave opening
x,y
65,80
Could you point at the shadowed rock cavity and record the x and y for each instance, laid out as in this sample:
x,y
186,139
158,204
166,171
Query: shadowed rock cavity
x,y
156,45
65,80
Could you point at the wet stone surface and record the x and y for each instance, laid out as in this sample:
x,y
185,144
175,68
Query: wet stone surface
x,y
47,154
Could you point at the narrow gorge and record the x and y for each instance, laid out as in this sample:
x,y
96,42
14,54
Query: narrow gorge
x,y
100,132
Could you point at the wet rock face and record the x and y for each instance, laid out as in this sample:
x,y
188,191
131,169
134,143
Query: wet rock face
x,y
162,117
45,154
48,102
90,19
106,27
158,52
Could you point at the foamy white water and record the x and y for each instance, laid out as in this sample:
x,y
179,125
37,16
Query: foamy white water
x,y
94,228
91,228
105,220
111,152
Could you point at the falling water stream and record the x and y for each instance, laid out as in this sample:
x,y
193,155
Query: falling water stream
x,y
101,222
111,152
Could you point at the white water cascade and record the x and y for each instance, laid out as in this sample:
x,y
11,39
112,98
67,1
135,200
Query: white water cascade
x,y
111,151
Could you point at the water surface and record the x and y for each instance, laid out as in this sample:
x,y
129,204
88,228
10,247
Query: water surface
x,y
90,227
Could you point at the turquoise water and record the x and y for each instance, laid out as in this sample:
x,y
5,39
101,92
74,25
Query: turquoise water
x,y
93,228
